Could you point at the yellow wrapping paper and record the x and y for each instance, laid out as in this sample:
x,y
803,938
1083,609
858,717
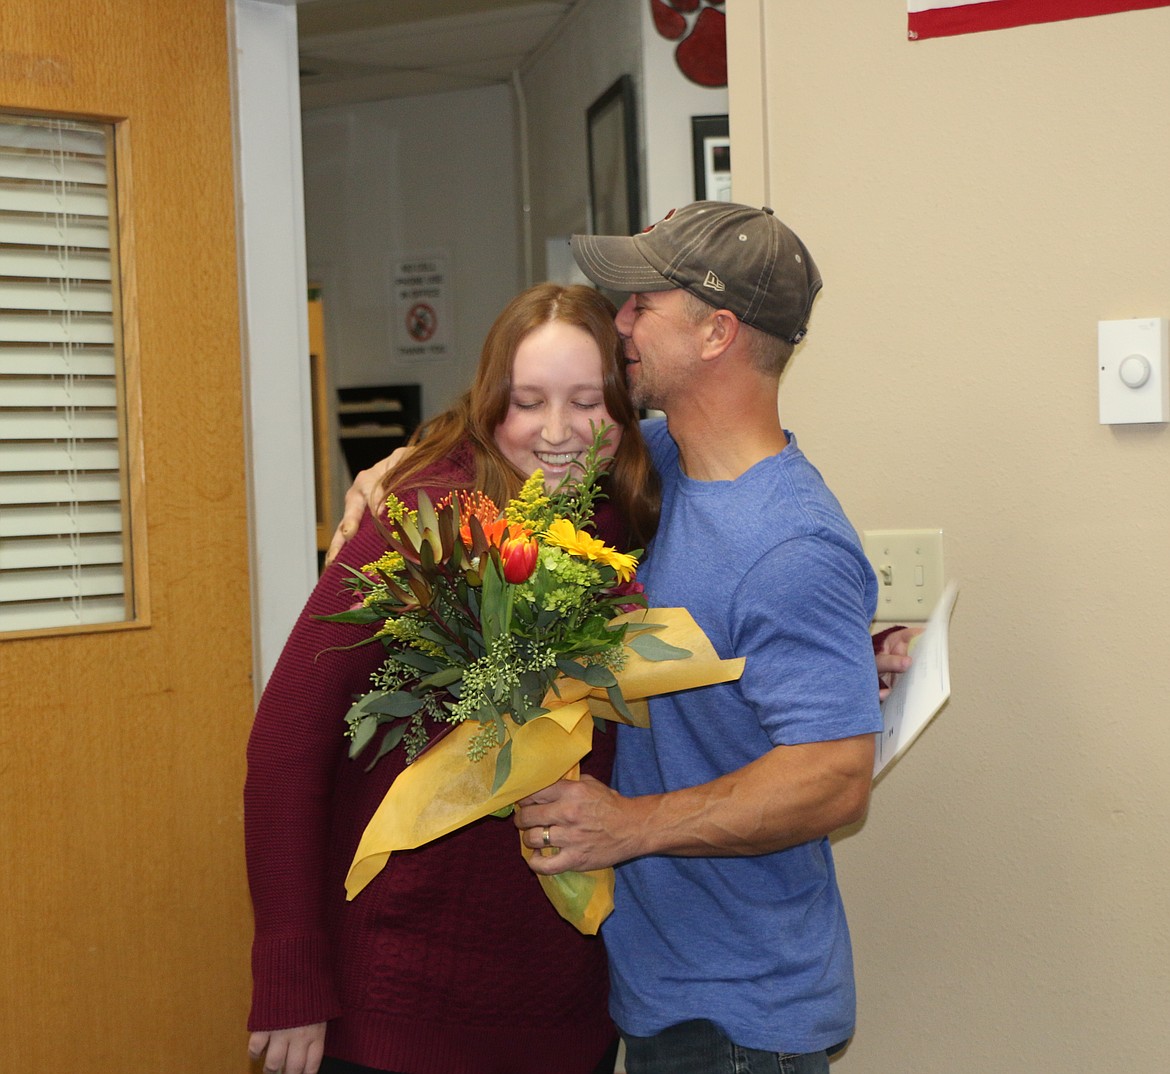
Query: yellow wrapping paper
x,y
443,790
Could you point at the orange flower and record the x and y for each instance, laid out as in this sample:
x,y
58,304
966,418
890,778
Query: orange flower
x,y
477,505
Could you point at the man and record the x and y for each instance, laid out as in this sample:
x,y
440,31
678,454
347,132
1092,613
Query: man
x,y
728,942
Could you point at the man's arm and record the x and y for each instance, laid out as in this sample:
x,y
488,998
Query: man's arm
x,y
789,796
366,491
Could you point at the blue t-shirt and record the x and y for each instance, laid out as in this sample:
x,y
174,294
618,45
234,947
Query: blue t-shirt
x,y
771,570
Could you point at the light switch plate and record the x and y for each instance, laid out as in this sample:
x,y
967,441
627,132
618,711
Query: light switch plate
x,y
909,569
1133,369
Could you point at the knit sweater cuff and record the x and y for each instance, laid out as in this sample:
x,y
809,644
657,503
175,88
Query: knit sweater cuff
x,y
292,982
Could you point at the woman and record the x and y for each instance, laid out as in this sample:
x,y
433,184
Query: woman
x,y
451,961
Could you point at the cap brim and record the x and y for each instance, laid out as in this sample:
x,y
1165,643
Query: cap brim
x,y
614,261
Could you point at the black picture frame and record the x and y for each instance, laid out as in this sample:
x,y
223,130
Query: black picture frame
x,y
615,188
711,147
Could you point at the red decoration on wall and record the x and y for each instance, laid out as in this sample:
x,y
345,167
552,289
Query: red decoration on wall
x,y
667,21
702,53
933,18
702,56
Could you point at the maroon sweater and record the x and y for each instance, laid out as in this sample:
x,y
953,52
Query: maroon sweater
x,y
451,961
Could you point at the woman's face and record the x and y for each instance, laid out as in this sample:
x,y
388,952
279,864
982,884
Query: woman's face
x,y
557,400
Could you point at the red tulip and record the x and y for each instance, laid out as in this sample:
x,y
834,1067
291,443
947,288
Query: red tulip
x,y
518,555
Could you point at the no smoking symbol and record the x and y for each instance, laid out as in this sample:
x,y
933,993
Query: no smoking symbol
x,y
421,322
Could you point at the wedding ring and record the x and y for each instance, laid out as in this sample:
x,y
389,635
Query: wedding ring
x,y
545,838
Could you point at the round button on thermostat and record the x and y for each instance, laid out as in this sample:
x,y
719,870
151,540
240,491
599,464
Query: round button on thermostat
x,y
1134,370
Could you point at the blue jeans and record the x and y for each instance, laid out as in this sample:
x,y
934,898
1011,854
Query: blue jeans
x,y
700,1047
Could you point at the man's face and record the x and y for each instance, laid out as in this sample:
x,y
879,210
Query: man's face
x,y
662,345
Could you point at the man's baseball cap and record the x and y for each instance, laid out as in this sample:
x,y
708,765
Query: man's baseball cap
x,y
731,256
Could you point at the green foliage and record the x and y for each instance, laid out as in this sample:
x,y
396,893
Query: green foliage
x,y
462,643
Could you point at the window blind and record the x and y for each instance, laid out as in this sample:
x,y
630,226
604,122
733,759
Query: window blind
x,y
64,509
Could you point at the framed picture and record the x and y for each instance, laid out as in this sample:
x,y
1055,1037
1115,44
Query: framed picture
x,y
712,153
615,193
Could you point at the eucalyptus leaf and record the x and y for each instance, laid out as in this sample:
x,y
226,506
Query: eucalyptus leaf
x,y
389,740
650,647
398,704
526,698
362,734
443,677
362,705
617,699
545,619
636,627
414,659
593,674
599,675
503,766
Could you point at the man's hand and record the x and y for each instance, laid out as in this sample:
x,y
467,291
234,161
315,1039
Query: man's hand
x,y
289,1051
366,491
584,821
790,795
892,657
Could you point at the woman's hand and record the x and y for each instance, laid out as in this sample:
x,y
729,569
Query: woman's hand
x,y
289,1051
892,657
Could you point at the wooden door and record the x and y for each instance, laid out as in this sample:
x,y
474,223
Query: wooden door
x,y
125,922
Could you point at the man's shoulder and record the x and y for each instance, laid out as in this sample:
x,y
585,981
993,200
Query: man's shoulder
x,y
653,427
796,515
804,482
658,440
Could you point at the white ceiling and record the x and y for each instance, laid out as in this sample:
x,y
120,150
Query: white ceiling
x,y
366,50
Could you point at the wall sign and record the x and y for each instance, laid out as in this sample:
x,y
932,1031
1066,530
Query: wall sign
x,y
422,307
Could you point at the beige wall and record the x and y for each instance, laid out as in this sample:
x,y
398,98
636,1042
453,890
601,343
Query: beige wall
x,y
976,204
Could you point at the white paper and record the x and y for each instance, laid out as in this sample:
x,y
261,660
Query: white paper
x,y
921,691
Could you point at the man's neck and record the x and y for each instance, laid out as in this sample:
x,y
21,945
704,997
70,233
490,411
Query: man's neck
x,y
720,443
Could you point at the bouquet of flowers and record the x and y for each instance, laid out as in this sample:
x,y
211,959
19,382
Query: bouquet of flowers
x,y
507,633
481,609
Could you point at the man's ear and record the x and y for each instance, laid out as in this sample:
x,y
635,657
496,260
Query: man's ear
x,y
722,329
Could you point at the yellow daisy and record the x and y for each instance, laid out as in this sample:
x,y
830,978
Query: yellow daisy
x,y
585,546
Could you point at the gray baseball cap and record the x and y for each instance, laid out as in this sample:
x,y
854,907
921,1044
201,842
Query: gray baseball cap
x,y
731,256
